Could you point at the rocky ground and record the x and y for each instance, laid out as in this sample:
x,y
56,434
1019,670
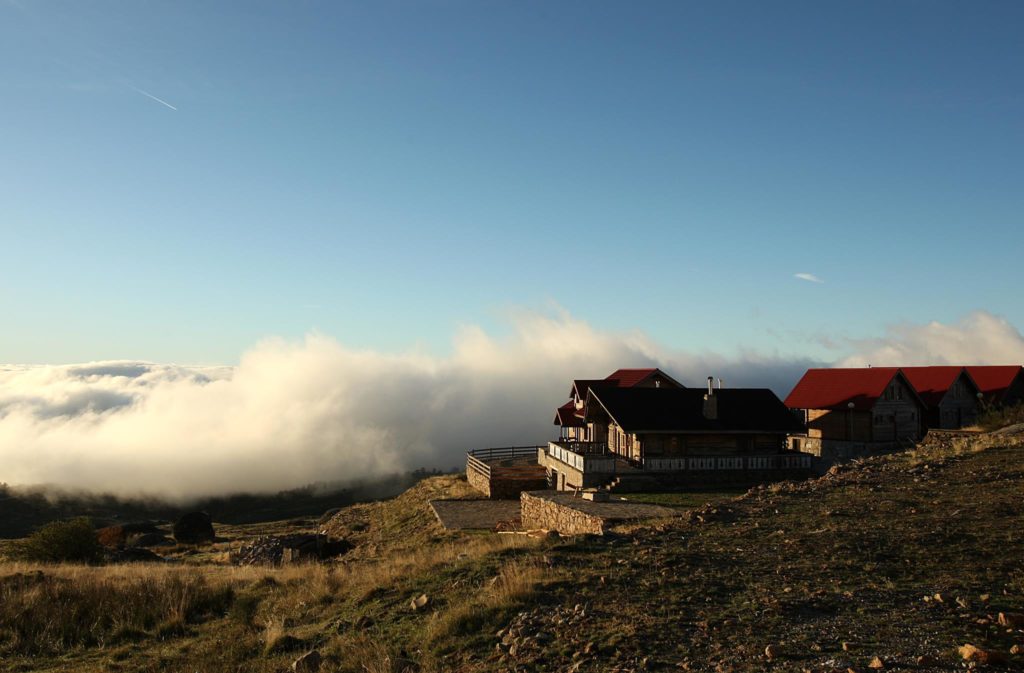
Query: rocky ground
x,y
908,562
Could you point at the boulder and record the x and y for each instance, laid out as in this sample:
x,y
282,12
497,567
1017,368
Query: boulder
x,y
194,528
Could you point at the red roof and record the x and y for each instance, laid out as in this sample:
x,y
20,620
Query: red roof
x,y
932,383
836,388
565,415
627,378
993,380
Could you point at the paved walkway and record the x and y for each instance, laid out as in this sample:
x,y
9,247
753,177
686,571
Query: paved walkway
x,y
474,514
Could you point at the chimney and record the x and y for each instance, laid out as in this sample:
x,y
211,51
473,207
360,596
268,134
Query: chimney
x,y
711,401
719,383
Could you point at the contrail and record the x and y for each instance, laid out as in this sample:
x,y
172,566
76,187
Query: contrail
x,y
158,100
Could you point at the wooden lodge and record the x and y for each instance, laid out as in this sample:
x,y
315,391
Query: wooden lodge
x,y
676,435
848,411
951,397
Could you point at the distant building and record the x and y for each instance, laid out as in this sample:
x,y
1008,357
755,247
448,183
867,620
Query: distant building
x,y
847,411
1000,385
948,393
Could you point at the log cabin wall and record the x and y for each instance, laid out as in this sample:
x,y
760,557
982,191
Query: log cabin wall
x,y
669,445
847,425
896,414
959,406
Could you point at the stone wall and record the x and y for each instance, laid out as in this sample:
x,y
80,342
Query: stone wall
x,y
540,513
478,481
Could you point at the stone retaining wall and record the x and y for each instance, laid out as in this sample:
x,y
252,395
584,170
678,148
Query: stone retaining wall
x,y
537,512
478,481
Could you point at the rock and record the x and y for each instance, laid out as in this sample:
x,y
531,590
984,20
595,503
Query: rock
x,y
1017,649
876,664
972,653
419,602
926,660
286,549
1013,620
307,663
772,652
846,646
194,528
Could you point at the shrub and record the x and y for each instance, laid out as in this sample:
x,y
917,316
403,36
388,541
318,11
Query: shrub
x,y
59,541
1000,417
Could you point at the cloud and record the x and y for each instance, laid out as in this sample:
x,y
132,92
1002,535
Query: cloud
x,y
297,412
293,413
809,277
979,338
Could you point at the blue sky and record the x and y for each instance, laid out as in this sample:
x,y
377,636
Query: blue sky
x,y
384,172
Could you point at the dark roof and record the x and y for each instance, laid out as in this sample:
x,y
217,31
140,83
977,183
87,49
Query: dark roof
x,y
682,410
932,383
836,388
565,415
994,380
581,386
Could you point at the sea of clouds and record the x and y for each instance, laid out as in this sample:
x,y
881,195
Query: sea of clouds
x,y
294,413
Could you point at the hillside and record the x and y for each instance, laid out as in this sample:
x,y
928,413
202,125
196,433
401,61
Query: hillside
x,y
904,558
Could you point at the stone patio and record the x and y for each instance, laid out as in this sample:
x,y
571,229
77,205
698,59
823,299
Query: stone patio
x,y
474,514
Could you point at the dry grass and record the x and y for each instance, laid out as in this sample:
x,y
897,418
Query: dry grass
x,y
514,585
47,613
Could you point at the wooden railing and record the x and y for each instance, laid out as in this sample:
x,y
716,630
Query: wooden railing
x,y
507,461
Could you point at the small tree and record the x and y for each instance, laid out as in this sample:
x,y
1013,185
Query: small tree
x,y
59,541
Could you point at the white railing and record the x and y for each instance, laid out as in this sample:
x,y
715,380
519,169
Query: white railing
x,y
589,459
797,461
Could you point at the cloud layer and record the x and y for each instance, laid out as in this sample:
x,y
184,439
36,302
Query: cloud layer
x,y
293,413
979,338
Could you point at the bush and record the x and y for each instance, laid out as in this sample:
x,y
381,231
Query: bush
x,y
59,541
1000,417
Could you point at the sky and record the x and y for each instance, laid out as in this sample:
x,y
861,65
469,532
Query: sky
x,y
180,180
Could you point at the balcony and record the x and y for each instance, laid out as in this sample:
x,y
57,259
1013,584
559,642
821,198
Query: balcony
x,y
587,457
594,457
